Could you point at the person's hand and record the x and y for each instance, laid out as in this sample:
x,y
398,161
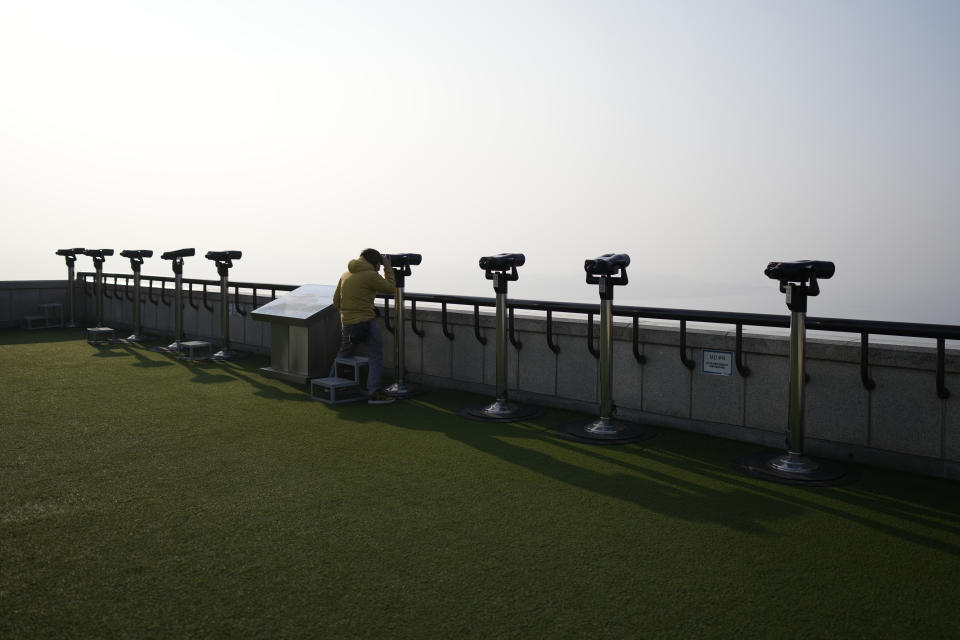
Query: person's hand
x,y
386,262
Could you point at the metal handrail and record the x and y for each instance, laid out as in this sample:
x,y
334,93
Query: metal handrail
x,y
938,332
865,328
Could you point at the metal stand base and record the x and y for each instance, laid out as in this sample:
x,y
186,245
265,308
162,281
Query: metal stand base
x,y
789,468
500,411
403,390
605,431
226,354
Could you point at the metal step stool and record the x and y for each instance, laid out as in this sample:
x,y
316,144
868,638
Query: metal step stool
x,y
52,317
336,390
192,346
101,334
349,390
354,362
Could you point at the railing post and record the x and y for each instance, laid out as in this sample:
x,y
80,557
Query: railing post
x,y
501,269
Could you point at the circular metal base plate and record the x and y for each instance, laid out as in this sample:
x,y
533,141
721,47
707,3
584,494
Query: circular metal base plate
x,y
500,412
596,431
405,390
795,470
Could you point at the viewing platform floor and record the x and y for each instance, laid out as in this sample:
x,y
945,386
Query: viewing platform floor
x,y
148,496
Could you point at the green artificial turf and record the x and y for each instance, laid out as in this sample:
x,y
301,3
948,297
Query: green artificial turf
x,y
144,497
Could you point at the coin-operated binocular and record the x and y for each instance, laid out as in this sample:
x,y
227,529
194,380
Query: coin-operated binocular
x,y
606,271
136,257
799,281
176,258
71,258
400,263
224,261
99,257
502,269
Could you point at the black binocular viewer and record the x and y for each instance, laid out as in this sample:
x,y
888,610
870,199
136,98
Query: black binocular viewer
x,y
224,255
135,254
608,264
400,260
179,253
98,253
800,271
502,261
70,253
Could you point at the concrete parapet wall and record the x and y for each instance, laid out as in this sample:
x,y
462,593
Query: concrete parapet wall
x,y
18,299
24,297
901,423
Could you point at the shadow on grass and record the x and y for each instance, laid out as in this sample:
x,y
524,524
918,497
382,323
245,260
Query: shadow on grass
x,y
39,336
110,350
212,372
687,476
522,443
143,361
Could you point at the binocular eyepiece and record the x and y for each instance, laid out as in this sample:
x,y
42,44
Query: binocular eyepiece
x,y
179,253
502,261
70,253
137,253
98,253
800,271
608,264
223,255
400,260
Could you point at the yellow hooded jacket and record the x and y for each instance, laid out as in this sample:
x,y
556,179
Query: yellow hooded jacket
x,y
357,289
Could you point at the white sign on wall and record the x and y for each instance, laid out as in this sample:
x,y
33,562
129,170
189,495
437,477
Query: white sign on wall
x,y
717,363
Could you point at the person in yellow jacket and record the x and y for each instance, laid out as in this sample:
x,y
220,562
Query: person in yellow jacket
x,y
354,300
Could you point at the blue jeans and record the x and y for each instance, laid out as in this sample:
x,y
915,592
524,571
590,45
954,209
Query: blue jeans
x,y
364,333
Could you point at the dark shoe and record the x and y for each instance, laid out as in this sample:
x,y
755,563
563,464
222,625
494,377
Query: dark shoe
x,y
379,397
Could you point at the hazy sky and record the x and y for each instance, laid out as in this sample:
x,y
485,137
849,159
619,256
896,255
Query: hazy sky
x,y
702,138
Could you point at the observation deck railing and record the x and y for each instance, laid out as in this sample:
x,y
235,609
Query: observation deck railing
x,y
865,328
939,332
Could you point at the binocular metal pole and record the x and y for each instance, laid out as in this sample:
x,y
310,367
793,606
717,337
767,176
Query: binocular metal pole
x,y
71,294
793,461
224,314
605,424
606,430
400,263
225,353
137,326
178,304
502,402
98,265
793,467
502,409
399,387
